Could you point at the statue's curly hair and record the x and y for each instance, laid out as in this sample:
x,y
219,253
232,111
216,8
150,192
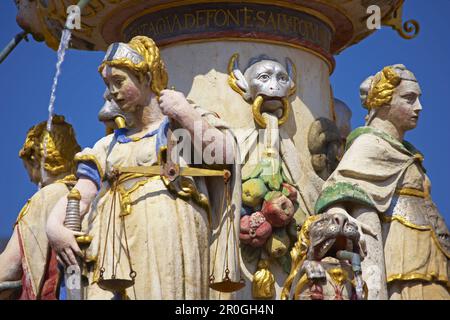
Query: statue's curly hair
x,y
152,63
60,144
381,88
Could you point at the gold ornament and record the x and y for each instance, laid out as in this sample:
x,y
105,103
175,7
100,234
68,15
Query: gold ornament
x,y
408,29
60,144
298,255
338,275
382,88
257,115
263,281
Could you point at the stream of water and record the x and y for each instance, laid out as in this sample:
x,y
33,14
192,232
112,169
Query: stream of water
x,y
63,45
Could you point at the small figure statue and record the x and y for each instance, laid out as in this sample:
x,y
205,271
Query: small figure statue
x,y
28,259
324,144
326,139
146,228
326,261
381,181
343,119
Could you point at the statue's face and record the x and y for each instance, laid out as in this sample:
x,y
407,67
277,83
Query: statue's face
x,y
405,105
126,88
268,79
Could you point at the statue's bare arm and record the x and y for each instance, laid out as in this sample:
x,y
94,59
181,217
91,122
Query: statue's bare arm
x,y
175,105
11,260
61,239
373,266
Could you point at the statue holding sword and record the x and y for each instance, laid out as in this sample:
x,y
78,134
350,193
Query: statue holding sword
x,y
149,216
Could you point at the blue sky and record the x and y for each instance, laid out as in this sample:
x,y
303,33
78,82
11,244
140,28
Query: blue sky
x,y
26,79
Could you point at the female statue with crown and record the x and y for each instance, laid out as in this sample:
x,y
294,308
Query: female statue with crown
x,y
156,238
49,160
381,181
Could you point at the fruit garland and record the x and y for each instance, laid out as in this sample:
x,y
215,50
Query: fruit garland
x,y
270,219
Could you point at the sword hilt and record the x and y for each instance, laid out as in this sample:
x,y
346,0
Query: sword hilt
x,y
73,274
73,219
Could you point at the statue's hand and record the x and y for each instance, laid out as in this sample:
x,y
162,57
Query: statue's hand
x,y
62,240
174,104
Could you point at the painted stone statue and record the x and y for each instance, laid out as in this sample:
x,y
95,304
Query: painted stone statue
x,y
28,256
326,139
381,181
272,204
326,261
145,227
324,144
343,115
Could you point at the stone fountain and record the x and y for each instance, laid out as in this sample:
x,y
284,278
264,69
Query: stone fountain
x,y
204,43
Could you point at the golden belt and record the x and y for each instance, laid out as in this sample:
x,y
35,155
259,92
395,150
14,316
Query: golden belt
x,y
410,192
186,188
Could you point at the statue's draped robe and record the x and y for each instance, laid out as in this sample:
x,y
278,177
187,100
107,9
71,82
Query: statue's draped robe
x,y
40,278
381,173
169,239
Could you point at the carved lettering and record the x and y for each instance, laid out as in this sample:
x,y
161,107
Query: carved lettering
x,y
248,18
235,17
227,17
221,18
271,21
189,20
260,17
